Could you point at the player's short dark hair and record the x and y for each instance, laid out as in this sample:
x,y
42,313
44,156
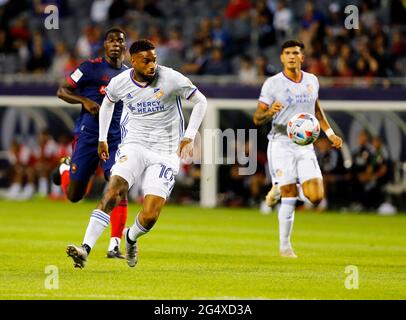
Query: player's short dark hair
x,y
114,30
141,45
292,43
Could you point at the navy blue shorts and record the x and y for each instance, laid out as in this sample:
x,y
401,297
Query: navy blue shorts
x,y
85,158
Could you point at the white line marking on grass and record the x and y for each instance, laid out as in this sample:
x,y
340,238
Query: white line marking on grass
x,y
112,296
85,296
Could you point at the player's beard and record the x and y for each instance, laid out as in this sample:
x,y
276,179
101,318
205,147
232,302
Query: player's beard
x,y
148,78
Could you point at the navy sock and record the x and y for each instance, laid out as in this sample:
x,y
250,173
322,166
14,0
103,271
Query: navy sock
x,y
87,248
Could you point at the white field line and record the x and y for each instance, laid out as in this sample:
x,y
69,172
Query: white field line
x,y
112,296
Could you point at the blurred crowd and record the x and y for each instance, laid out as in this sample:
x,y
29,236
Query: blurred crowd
x,y
224,37
357,185
30,164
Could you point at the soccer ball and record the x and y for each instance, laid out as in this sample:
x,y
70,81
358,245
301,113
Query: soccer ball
x,y
303,129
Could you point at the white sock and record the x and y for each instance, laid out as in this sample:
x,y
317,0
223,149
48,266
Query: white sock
x,y
137,230
63,167
99,221
286,217
114,242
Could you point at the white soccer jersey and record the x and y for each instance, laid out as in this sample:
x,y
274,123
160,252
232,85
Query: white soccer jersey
x,y
152,115
295,98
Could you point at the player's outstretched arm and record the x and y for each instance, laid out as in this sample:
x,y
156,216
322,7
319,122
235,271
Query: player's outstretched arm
x,y
105,115
336,141
264,113
66,93
199,110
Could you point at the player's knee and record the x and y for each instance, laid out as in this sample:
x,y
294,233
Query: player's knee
x,y
113,195
288,191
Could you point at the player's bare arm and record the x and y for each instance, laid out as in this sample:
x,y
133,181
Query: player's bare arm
x,y
264,113
199,101
66,93
105,116
336,141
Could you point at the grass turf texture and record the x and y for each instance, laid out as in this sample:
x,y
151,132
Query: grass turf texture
x,y
195,253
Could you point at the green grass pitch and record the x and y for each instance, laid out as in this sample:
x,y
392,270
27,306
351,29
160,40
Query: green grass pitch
x,y
195,253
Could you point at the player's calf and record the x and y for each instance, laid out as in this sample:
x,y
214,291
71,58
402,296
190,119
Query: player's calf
x,y
151,210
313,190
117,191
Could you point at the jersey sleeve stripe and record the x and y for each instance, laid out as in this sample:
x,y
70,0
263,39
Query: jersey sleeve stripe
x,y
190,95
71,82
182,119
107,95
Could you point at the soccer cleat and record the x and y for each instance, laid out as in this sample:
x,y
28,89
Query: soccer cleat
x,y
273,196
56,175
288,253
115,254
131,251
78,254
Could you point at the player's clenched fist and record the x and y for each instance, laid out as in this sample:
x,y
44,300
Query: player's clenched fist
x,y
336,141
185,148
103,150
276,107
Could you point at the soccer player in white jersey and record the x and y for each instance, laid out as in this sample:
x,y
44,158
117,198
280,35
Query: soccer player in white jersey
x,y
287,93
153,141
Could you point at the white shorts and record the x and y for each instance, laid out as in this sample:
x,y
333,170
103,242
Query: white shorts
x,y
156,172
290,163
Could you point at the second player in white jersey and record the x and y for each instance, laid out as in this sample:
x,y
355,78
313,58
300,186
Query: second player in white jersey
x,y
290,92
296,97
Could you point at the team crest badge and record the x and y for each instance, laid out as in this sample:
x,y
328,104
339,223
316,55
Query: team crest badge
x,y
73,168
310,88
279,173
158,93
122,159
